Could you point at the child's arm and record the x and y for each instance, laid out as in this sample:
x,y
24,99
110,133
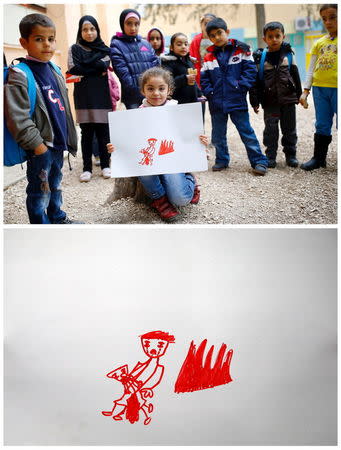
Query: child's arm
x,y
17,113
205,81
121,69
77,67
296,77
308,81
248,72
255,92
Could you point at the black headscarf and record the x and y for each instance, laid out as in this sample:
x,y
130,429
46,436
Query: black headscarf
x,y
99,49
124,14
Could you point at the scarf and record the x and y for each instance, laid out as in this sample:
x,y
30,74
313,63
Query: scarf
x,y
98,49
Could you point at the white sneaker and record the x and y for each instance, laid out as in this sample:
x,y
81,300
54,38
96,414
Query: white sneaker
x,y
85,177
106,172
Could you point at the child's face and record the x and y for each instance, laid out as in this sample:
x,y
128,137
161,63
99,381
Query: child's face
x,y
155,39
154,347
219,37
131,26
156,91
274,39
329,19
180,46
203,26
41,43
89,32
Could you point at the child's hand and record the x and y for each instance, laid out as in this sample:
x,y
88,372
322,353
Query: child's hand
x,y
40,149
303,99
256,109
110,148
204,139
190,79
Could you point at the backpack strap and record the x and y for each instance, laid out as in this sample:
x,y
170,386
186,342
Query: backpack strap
x,y
289,56
55,68
31,83
261,64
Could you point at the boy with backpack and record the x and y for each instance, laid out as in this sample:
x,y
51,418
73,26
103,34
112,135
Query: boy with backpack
x,y
277,89
45,133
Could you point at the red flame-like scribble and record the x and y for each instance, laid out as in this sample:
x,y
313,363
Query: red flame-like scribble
x,y
166,147
197,374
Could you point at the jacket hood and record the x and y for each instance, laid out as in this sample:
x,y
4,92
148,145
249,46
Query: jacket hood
x,y
172,57
285,48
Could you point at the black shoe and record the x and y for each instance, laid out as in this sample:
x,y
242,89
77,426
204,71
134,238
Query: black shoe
x,y
218,167
312,164
291,161
259,169
272,163
67,221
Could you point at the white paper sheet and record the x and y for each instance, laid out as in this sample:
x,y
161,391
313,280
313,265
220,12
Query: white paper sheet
x,y
157,140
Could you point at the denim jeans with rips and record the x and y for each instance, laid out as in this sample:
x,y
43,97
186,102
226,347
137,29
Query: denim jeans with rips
x,y
242,123
44,196
179,187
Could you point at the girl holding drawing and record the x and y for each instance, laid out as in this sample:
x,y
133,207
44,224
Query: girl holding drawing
x,y
167,191
89,58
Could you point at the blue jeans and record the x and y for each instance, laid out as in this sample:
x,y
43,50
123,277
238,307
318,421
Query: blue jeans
x,y
246,133
178,187
44,196
325,101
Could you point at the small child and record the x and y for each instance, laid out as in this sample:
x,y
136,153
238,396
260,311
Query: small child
x,y
277,89
180,64
322,75
157,41
227,74
89,58
50,131
130,56
165,190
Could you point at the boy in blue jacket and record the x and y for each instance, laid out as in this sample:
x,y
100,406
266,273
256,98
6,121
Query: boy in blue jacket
x,y
227,74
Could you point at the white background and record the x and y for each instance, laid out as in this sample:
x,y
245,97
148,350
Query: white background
x,y
131,129
77,300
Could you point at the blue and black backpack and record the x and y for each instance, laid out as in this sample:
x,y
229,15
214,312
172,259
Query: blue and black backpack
x,y
13,153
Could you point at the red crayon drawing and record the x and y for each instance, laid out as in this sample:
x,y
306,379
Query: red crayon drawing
x,y
197,374
166,147
148,153
140,382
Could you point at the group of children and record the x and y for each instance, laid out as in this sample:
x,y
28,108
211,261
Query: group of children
x,y
148,78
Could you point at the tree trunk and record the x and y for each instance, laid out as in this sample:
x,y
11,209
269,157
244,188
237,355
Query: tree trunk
x,y
128,187
260,22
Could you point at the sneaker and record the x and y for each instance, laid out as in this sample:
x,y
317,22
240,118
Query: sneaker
x,y
85,177
291,161
106,172
166,210
259,169
67,221
196,195
272,163
218,167
97,161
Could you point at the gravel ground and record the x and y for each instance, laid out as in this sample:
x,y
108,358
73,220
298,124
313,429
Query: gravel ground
x,y
235,196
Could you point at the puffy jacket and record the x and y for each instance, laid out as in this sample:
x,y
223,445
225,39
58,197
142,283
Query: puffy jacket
x,y
279,86
178,66
226,76
131,56
194,51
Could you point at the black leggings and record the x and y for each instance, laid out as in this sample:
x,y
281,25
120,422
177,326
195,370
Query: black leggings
x,y
89,130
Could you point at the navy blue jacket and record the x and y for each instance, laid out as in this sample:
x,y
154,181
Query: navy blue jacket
x,y
226,76
131,56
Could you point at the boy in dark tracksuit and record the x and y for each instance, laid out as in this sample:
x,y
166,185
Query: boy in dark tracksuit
x,y
277,89
50,131
227,74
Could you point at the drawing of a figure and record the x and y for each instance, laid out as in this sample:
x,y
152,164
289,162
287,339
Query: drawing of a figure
x,y
148,153
140,382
